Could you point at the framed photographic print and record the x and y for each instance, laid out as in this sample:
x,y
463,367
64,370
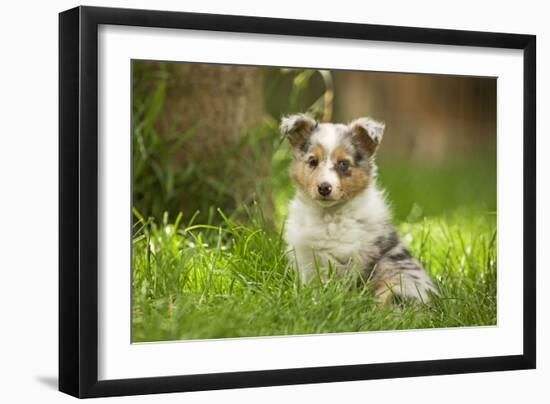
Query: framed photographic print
x,y
252,201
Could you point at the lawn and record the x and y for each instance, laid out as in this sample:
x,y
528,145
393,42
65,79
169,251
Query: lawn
x,y
229,278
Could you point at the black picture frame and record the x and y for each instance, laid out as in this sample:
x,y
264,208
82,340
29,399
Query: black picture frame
x,y
78,200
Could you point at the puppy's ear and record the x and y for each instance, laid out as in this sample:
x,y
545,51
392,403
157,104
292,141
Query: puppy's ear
x,y
298,128
367,134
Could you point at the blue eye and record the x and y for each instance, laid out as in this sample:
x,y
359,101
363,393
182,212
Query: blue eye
x,y
343,165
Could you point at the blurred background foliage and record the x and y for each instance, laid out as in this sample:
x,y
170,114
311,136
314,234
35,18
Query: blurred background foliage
x,y
206,137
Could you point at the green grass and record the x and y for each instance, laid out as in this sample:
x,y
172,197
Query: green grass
x,y
417,189
231,280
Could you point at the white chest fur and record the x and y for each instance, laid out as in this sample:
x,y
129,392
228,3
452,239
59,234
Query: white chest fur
x,y
340,236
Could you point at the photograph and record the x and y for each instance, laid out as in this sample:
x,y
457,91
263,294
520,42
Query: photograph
x,y
270,201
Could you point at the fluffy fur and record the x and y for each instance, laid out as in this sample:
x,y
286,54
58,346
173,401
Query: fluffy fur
x,y
339,217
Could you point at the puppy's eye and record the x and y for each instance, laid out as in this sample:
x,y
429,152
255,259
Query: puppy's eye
x,y
343,165
313,162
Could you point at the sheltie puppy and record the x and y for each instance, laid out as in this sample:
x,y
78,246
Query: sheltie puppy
x,y
339,218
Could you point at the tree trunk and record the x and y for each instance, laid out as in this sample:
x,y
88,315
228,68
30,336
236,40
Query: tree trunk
x,y
221,106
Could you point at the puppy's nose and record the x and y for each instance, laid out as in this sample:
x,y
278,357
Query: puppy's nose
x,y
324,188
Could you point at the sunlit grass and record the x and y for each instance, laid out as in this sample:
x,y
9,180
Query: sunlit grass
x,y
195,281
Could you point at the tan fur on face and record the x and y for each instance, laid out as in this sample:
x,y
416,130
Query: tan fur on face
x,y
340,153
317,151
353,184
354,180
350,183
305,176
